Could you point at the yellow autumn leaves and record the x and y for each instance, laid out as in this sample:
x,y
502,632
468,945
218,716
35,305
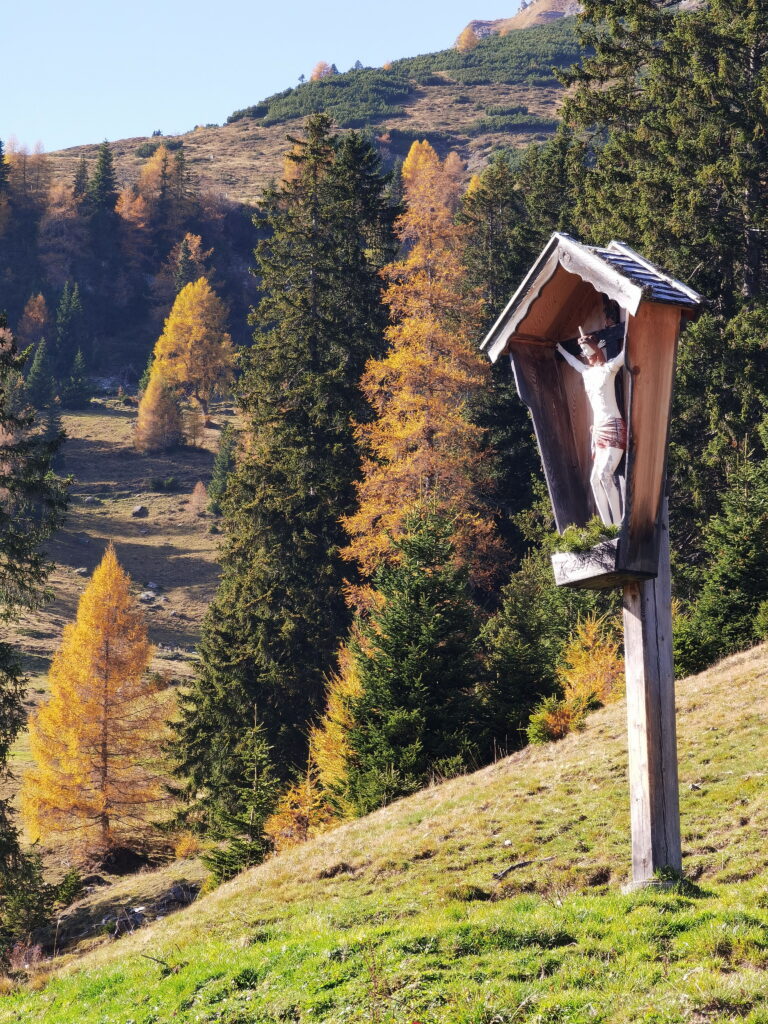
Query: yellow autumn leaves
x,y
94,744
194,356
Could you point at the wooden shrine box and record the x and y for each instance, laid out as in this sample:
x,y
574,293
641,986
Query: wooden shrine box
x,y
573,285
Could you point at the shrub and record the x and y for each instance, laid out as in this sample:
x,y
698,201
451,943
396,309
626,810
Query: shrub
x,y
199,498
554,718
592,668
187,845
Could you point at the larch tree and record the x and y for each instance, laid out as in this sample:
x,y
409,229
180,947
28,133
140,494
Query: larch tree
x,y
270,634
322,70
94,782
195,352
34,322
159,422
422,442
468,40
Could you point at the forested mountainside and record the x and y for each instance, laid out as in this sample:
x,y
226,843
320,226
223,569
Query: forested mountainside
x,y
501,93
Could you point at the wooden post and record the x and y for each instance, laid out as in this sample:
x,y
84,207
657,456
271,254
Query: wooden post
x,y
653,784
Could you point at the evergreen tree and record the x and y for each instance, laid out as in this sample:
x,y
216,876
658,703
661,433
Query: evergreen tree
x,y
3,170
731,610
522,643
274,624
76,391
80,182
223,465
417,658
146,373
54,434
102,188
69,329
239,825
687,136
720,411
184,270
32,504
39,381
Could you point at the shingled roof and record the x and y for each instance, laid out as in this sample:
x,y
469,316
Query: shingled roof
x,y
616,270
658,286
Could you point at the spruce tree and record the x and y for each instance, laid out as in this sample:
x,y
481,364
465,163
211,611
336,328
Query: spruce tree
x,y
3,170
731,609
76,391
69,329
239,824
674,102
39,382
417,659
102,188
32,504
223,465
272,629
80,182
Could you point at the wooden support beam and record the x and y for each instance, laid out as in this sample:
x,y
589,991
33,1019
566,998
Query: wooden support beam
x,y
653,783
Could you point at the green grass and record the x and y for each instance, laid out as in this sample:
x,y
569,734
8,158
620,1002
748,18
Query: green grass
x,y
398,917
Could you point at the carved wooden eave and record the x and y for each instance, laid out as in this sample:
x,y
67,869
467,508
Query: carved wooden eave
x,y
616,271
569,287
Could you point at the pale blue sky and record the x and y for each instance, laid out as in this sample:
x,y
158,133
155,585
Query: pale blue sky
x,y
84,70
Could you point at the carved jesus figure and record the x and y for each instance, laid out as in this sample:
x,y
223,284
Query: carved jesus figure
x,y
609,431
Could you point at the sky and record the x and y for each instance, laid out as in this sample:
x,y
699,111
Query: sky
x,y
88,70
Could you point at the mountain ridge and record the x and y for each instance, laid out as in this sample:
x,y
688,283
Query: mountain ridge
x,y
503,93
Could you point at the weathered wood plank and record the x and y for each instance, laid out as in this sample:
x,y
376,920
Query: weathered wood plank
x,y
652,740
650,357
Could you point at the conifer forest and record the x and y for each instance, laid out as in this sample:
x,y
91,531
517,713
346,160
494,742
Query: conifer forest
x,y
295,724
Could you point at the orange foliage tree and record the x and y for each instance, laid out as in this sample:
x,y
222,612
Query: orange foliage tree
x,y
159,422
467,40
592,668
34,322
321,70
94,782
195,352
422,442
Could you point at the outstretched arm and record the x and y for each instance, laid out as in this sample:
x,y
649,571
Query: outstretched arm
x,y
617,362
571,360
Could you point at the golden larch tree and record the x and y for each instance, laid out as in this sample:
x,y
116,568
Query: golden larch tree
x,y
159,423
421,441
468,40
34,322
94,782
195,352
329,745
321,70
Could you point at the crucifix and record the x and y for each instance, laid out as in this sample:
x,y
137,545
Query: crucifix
x,y
592,335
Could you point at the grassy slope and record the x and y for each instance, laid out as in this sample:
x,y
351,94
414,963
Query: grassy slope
x,y
238,159
398,918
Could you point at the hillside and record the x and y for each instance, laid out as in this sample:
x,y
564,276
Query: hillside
x,y
491,899
502,93
171,546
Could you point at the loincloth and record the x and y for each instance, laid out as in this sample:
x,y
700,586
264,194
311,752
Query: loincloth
x,y
612,434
